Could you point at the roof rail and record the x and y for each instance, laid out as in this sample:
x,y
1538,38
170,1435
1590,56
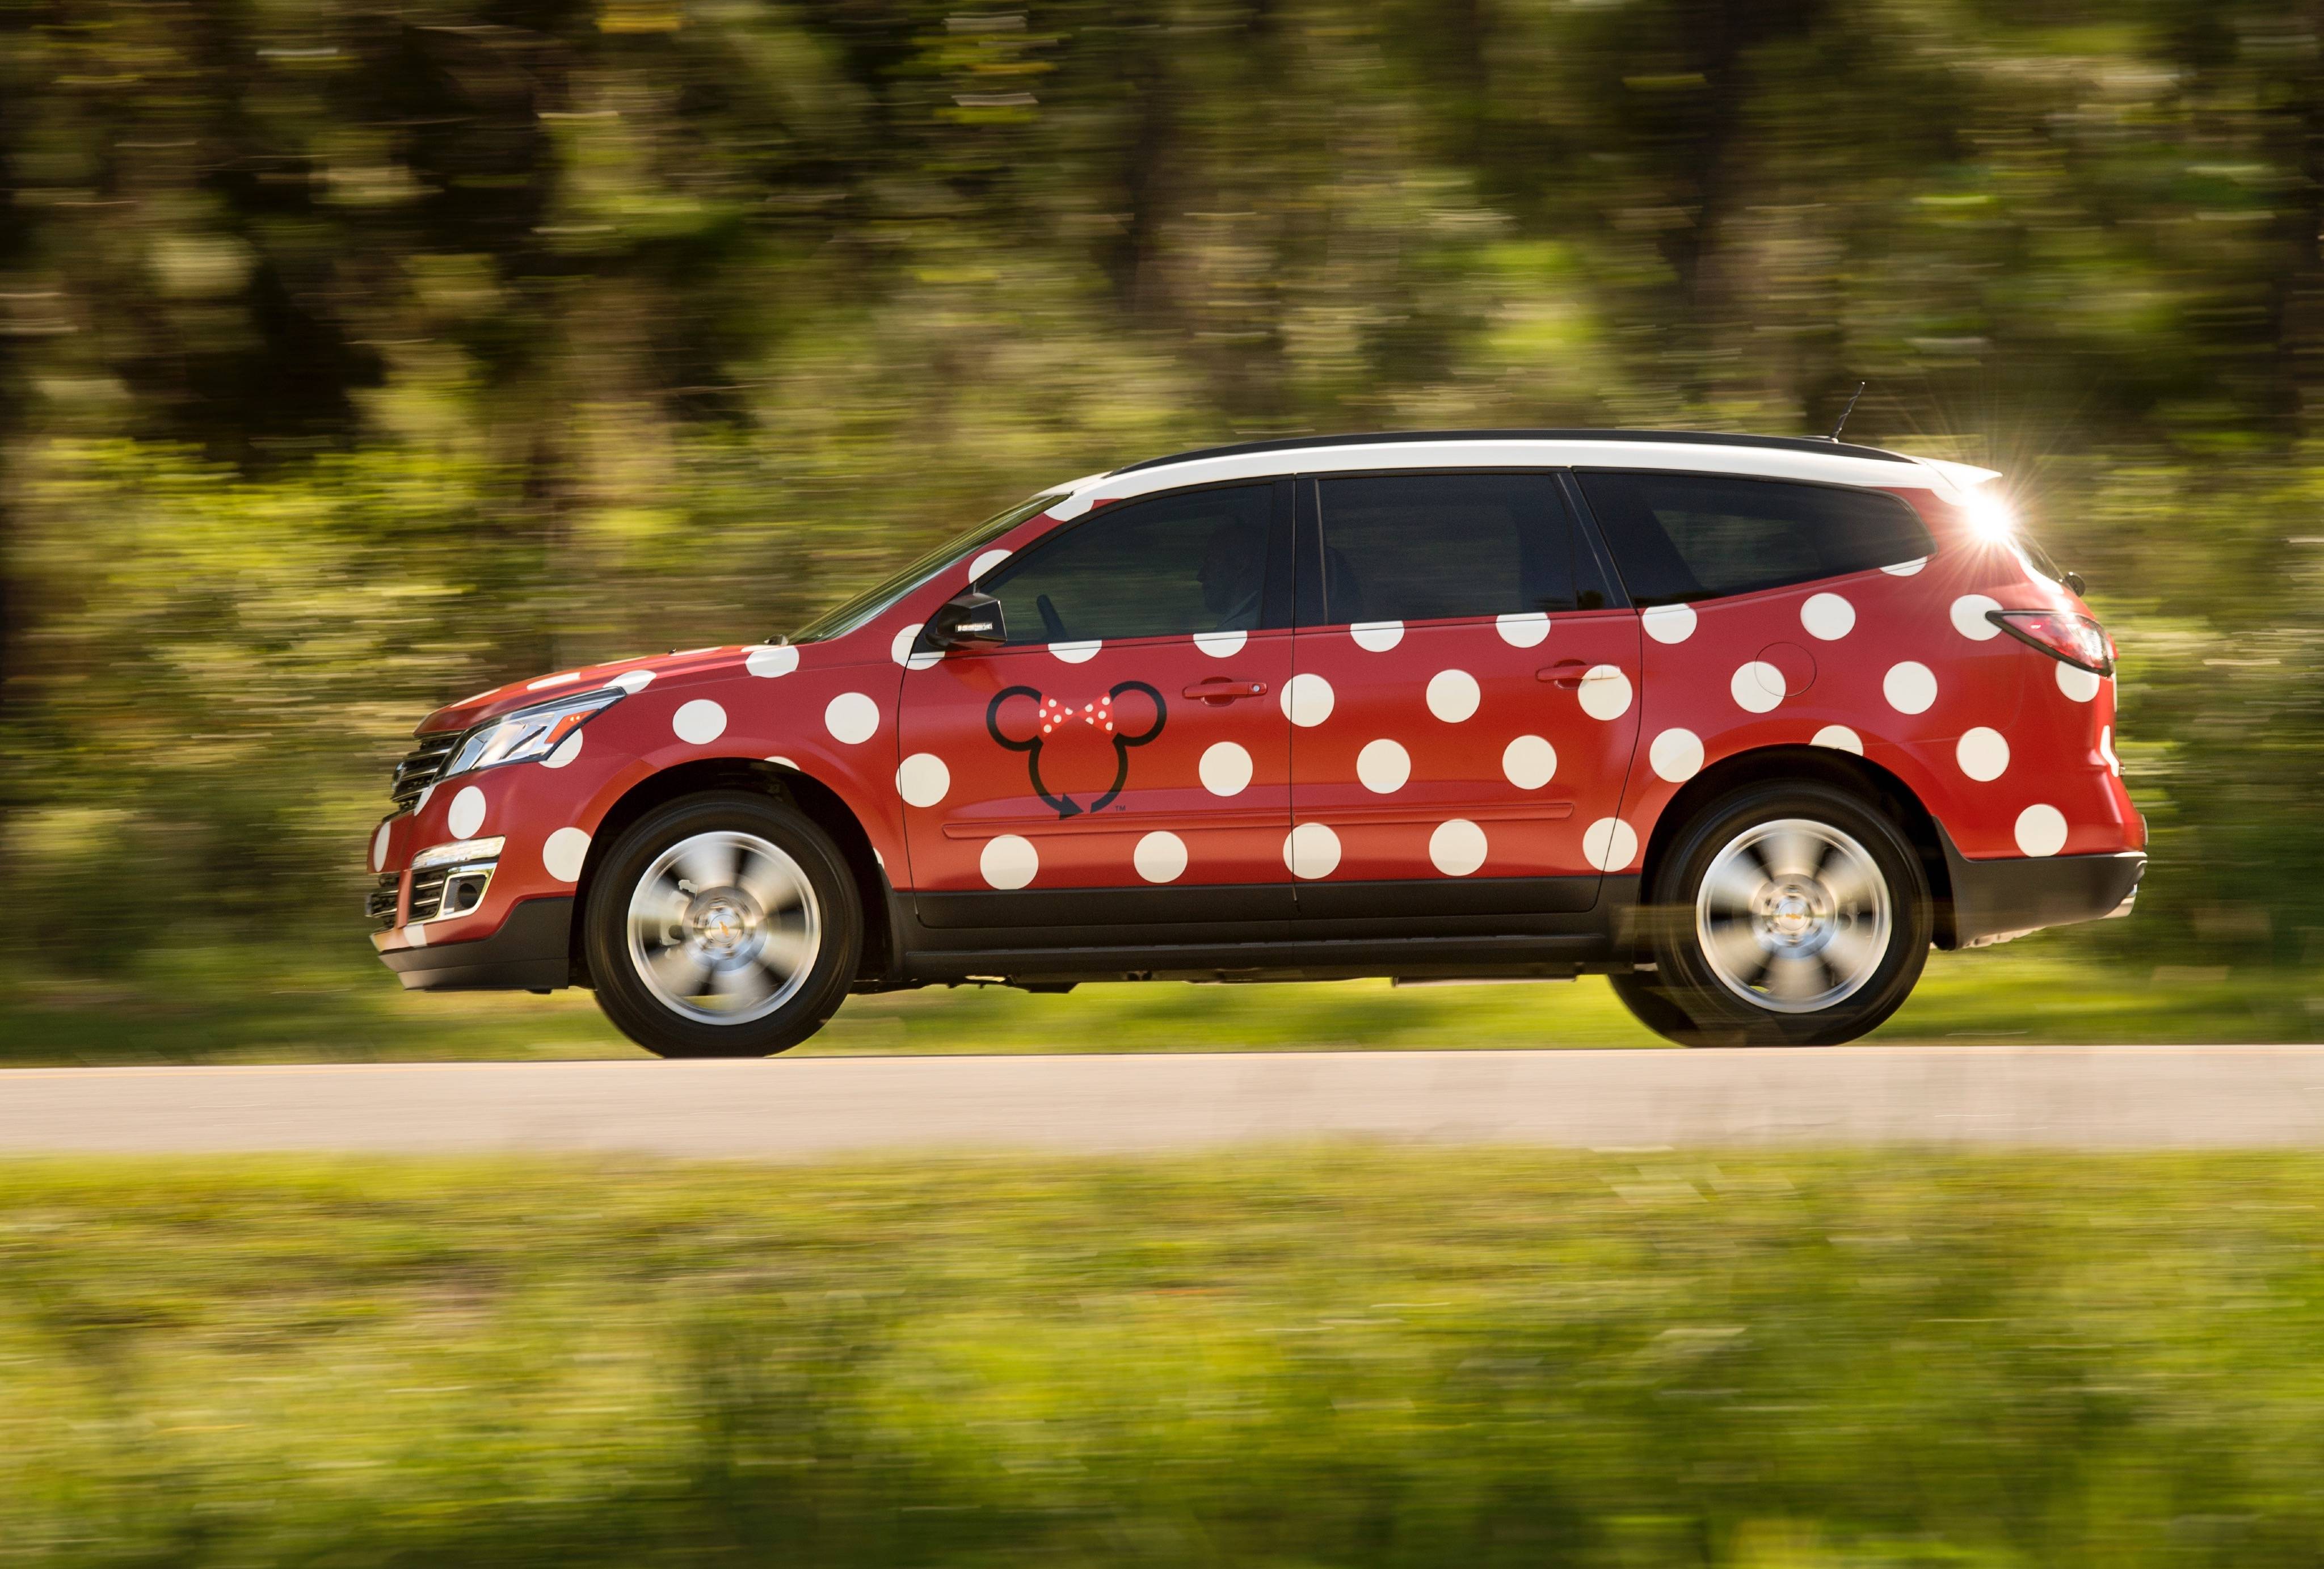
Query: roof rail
x,y
1680,437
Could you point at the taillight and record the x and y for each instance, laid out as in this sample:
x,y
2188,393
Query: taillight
x,y
2061,634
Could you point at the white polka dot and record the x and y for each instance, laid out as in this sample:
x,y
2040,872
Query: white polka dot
x,y
466,814
1383,766
1226,768
1668,624
1676,756
851,717
633,681
566,680
1840,738
1828,616
1221,645
564,853
2041,830
426,793
985,563
699,722
1605,692
1968,616
1911,687
776,659
922,779
1457,847
1524,630
900,650
379,849
1983,753
1906,568
2078,683
2106,750
1079,652
1529,762
1311,850
1453,695
1307,699
567,750
1610,843
417,935
1008,862
1160,857
1376,637
782,762
1756,687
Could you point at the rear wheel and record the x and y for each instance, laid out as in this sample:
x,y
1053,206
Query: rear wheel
x,y
1784,915
723,925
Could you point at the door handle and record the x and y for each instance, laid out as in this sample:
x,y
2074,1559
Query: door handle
x,y
1565,673
1224,689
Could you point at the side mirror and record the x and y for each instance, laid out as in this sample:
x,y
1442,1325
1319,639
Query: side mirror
x,y
2073,582
971,620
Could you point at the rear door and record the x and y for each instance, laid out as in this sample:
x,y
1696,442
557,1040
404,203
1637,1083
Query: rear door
x,y
1464,699
1124,759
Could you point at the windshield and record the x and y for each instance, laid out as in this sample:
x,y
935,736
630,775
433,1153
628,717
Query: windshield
x,y
854,612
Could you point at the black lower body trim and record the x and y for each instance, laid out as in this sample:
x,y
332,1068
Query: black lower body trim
x,y
2001,899
1504,925
1069,909
531,952
1286,960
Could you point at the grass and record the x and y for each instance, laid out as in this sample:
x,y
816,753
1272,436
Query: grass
x,y
1332,1356
227,1005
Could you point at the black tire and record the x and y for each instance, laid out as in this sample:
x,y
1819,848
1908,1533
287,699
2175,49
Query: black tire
x,y
1696,997
1653,1007
797,1001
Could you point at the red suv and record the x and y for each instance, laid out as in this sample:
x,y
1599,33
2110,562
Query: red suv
x,y
1745,723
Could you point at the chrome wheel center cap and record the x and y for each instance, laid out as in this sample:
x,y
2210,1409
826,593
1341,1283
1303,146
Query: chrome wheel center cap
x,y
725,927
1792,916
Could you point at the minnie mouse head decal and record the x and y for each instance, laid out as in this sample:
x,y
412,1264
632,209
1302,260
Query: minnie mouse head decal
x,y
1074,739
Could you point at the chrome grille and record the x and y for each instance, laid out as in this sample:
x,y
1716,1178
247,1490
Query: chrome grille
x,y
427,892
421,766
379,904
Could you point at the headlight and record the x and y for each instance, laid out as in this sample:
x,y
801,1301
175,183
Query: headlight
x,y
529,734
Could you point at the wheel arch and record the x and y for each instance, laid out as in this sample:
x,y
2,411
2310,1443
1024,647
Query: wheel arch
x,y
1828,765
817,801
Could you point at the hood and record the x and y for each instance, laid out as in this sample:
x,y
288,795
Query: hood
x,y
499,700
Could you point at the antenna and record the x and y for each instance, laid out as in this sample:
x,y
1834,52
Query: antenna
x,y
1844,413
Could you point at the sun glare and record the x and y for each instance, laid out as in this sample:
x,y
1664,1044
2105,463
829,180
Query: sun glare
x,y
1990,515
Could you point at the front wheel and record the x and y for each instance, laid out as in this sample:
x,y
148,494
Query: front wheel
x,y
1784,915
723,925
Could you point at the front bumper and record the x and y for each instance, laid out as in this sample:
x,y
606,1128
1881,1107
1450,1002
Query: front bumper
x,y
1994,900
531,952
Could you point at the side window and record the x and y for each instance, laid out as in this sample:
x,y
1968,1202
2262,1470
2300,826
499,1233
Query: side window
x,y
1425,547
1165,567
1678,536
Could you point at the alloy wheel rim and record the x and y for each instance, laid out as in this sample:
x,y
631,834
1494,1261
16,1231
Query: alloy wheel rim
x,y
1793,915
723,927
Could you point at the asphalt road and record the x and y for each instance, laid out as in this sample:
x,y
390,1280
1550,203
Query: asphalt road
x,y
804,1108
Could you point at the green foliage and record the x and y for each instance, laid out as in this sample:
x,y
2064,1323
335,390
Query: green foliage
x,y
351,360
1338,1357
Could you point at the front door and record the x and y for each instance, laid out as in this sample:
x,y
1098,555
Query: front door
x,y
1464,699
1123,759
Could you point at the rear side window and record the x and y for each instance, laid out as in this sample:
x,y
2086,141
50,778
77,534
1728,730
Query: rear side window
x,y
1186,563
1678,536
1428,547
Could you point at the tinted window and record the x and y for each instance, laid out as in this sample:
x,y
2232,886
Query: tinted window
x,y
1153,568
1428,545
1680,536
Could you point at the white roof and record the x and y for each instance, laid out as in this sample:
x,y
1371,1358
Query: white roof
x,y
1951,480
